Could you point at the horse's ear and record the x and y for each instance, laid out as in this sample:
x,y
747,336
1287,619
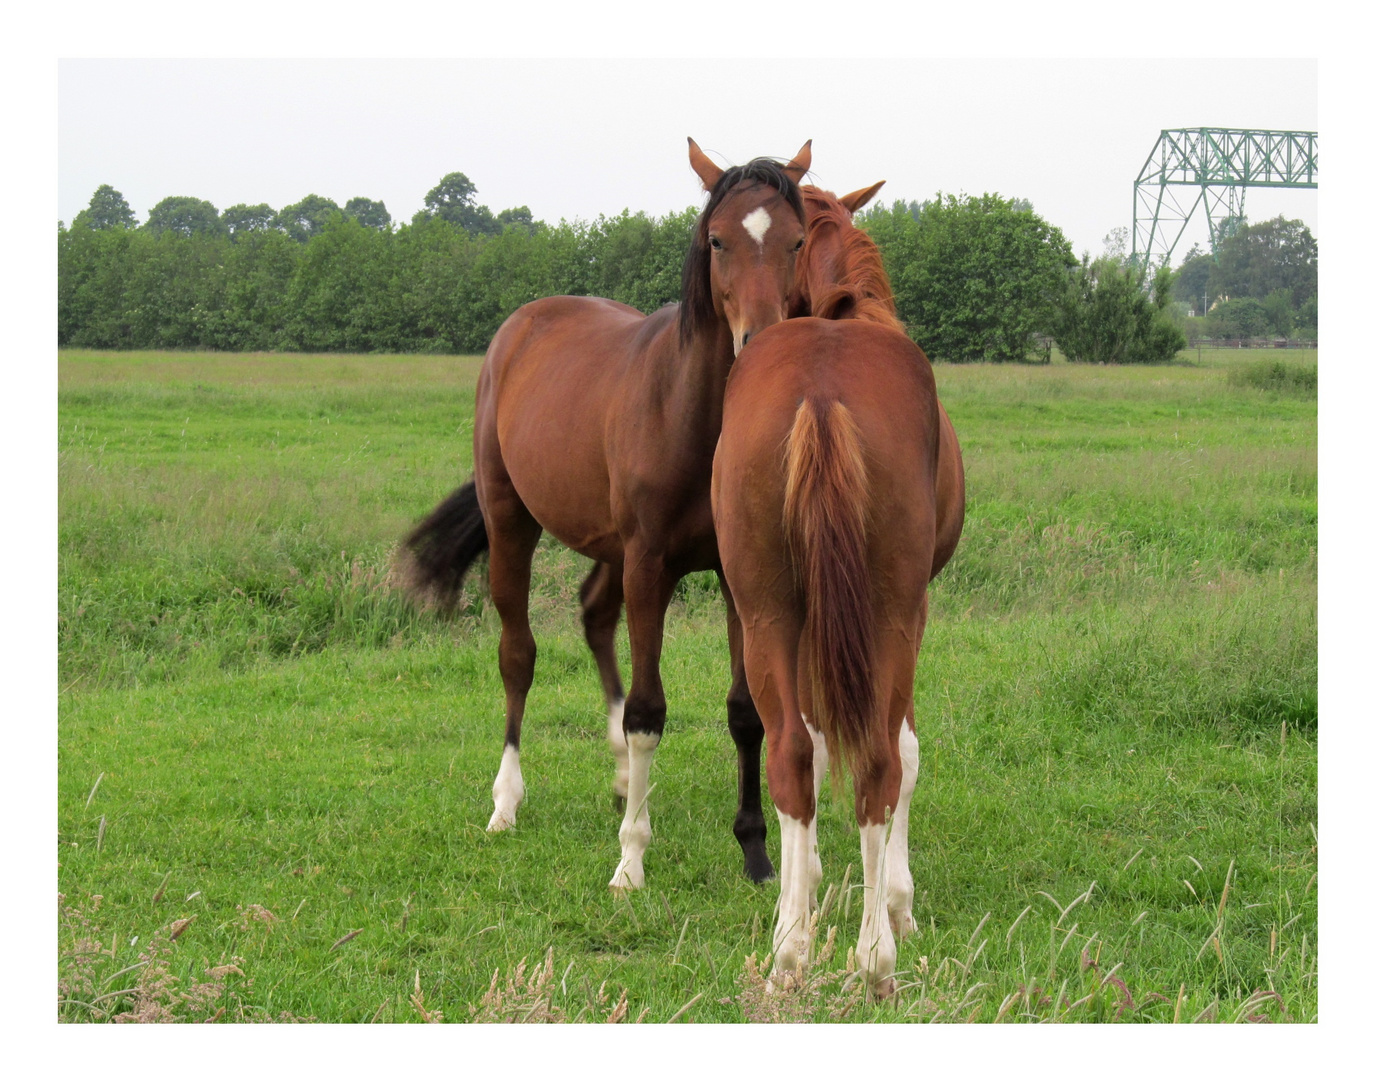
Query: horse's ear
x,y
708,173
857,199
800,165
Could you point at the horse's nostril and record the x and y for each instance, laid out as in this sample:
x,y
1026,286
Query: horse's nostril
x,y
745,338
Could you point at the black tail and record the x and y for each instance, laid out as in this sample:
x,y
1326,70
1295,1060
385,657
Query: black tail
x,y
438,552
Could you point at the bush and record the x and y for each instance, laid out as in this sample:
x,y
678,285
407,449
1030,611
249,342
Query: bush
x,y
1276,375
1242,317
975,277
1106,317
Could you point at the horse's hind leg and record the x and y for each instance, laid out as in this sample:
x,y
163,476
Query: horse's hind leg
x,y
512,537
876,797
744,722
601,599
899,881
772,659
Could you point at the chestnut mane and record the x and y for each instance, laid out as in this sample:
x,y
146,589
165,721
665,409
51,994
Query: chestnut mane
x,y
861,289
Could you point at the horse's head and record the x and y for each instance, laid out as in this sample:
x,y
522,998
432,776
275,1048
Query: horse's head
x,y
741,262
840,272
830,243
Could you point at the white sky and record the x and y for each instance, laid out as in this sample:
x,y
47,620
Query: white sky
x,y
574,138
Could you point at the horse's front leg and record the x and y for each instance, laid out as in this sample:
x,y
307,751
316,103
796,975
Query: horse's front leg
x,y
744,722
648,585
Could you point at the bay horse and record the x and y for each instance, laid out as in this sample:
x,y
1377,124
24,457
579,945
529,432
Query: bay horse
x,y
597,423
836,499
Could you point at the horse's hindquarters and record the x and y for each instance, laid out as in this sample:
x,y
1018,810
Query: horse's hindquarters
x,y
553,376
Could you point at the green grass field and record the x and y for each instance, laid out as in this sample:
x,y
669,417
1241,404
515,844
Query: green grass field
x,y
1116,700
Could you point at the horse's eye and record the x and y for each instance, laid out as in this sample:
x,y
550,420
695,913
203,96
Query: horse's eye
x,y
799,246
715,243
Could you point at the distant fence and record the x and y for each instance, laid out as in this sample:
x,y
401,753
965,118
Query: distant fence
x,y
1251,343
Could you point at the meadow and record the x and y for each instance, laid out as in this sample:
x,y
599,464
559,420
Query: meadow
x,y
274,776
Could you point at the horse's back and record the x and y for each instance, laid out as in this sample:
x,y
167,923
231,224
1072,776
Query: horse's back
x,y
886,386
879,375
557,344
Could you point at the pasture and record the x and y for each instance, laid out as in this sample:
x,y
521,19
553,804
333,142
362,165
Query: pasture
x,y
1115,817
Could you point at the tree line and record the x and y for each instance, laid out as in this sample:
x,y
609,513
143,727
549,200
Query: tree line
x,y
976,278
315,276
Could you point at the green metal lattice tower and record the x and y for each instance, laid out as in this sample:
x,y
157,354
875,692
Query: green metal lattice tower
x,y
1218,165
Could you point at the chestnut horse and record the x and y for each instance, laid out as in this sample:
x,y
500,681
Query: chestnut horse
x,y
834,507
597,423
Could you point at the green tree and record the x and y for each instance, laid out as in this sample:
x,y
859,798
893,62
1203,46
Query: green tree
x,y
618,248
518,217
1190,284
1241,317
93,271
259,268
303,220
1280,312
453,200
974,278
241,219
368,212
340,297
175,289
107,210
183,215
433,260
1276,254
1307,316
1107,317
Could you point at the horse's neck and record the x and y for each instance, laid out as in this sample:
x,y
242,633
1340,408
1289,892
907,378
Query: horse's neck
x,y
692,382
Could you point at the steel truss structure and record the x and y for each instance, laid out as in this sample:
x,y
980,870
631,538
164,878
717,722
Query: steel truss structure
x,y
1218,165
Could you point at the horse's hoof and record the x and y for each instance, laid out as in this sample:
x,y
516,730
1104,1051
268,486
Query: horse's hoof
x,y
501,821
627,878
759,870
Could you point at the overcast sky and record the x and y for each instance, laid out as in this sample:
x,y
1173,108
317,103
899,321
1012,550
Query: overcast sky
x,y
576,138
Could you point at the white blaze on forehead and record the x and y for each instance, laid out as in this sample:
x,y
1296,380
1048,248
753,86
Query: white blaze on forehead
x,y
756,223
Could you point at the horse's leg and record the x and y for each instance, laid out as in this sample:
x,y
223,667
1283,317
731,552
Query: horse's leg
x,y
772,661
820,770
512,537
601,599
744,722
648,586
899,894
899,882
877,795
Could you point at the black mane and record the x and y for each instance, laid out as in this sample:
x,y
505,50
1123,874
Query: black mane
x,y
696,292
